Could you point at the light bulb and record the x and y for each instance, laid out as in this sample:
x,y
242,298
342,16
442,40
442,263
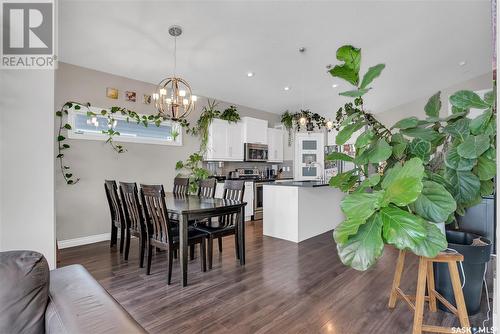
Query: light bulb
x,y
302,121
94,120
155,96
115,123
194,98
329,124
96,124
182,93
168,100
163,91
185,102
89,122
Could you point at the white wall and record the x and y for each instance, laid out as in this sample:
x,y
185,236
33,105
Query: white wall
x,y
27,161
416,107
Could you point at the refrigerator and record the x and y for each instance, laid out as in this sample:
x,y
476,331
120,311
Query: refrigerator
x,y
332,168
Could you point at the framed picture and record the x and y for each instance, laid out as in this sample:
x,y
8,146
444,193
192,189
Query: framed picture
x,y
146,99
130,96
112,93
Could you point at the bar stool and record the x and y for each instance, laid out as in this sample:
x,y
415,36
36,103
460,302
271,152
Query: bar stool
x,y
426,278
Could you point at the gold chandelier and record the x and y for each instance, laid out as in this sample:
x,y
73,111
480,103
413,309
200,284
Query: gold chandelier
x,y
173,97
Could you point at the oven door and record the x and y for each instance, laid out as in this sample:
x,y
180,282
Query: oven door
x,y
258,200
256,152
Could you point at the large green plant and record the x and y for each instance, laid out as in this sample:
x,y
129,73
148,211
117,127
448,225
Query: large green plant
x,y
415,174
192,168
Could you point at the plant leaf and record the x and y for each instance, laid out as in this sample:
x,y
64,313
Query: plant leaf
x,y
371,181
345,229
403,184
372,73
487,187
364,248
421,149
364,139
455,161
433,105
402,229
339,156
489,97
465,184
423,133
473,146
478,125
486,168
355,93
465,99
346,133
406,123
346,73
458,129
435,203
344,181
380,151
434,242
360,206
351,56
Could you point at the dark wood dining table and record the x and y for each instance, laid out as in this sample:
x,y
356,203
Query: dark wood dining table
x,y
190,208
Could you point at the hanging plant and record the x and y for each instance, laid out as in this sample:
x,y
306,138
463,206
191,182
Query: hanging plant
x,y
313,120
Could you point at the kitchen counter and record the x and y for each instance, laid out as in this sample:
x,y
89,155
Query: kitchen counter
x,y
310,184
296,211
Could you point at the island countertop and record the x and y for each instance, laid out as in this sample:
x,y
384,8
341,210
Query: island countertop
x,y
308,184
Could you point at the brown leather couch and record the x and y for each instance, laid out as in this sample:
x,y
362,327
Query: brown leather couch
x,y
64,300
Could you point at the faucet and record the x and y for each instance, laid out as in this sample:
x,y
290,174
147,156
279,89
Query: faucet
x,y
312,163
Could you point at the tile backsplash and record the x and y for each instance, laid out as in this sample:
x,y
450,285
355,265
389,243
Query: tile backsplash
x,y
223,168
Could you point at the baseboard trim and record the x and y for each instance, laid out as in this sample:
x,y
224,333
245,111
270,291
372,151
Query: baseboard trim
x,y
83,240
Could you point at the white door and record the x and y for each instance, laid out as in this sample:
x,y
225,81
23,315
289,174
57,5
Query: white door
x,y
309,156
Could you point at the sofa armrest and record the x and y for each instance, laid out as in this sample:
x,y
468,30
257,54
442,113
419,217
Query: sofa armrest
x,y
79,304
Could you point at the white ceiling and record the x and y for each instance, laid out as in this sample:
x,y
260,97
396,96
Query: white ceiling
x,y
421,43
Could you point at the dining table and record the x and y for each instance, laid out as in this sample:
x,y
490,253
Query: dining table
x,y
190,208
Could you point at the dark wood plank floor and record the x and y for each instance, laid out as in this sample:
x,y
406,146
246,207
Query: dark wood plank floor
x,y
283,288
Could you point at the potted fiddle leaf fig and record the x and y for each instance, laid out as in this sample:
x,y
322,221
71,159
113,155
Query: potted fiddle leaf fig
x,y
411,177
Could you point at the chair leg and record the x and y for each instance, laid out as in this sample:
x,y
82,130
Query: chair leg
x,y
220,244
175,253
236,245
127,243
142,245
170,261
150,256
459,295
397,278
210,247
418,317
122,239
191,252
431,288
203,257
114,235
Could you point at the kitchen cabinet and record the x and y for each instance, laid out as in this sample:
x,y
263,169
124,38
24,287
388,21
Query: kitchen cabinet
x,y
225,141
247,197
275,145
254,130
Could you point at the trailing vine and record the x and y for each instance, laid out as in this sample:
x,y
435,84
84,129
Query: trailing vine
x,y
313,120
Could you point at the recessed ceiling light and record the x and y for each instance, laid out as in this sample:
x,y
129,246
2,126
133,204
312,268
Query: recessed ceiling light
x,y
250,74
462,63
335,85
286,88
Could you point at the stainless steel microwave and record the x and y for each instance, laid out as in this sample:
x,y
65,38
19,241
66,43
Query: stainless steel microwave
x,y
256,152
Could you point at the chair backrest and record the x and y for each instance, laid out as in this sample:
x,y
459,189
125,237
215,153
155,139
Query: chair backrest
x,y
113,201
132,207
155,210
181,186
234,190
206,188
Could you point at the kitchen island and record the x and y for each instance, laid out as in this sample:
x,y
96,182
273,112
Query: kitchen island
x,y
299,210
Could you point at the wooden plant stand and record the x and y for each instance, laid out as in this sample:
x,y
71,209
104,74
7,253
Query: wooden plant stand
x,y
426,277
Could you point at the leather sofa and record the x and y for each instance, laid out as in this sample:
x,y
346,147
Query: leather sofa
x,y
64,300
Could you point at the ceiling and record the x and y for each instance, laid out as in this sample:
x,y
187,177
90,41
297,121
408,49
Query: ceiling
x,y
421,43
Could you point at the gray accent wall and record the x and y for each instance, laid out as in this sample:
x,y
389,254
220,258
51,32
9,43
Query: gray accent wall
x,y
81,209
416,107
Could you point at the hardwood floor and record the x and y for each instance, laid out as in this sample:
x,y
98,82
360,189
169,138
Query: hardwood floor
x,y
283,288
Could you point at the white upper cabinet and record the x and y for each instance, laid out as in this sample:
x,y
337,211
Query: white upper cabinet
x,y
225,141
254,130
275,145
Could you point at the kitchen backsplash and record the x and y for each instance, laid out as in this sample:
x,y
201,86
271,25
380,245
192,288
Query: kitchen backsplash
x,y
223,168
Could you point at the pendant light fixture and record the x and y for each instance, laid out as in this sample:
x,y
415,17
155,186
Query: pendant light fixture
x,y
173,97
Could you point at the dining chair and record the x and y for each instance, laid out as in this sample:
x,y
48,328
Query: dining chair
x,y
181,186
116,211
161,234
134,219
206,188
228,224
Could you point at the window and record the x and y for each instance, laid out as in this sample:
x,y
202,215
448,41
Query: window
x,y
129,131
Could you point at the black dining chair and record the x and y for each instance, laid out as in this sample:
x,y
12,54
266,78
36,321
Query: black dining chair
x,y
134,219
160,231
116,211
206,188
228,224
181,186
